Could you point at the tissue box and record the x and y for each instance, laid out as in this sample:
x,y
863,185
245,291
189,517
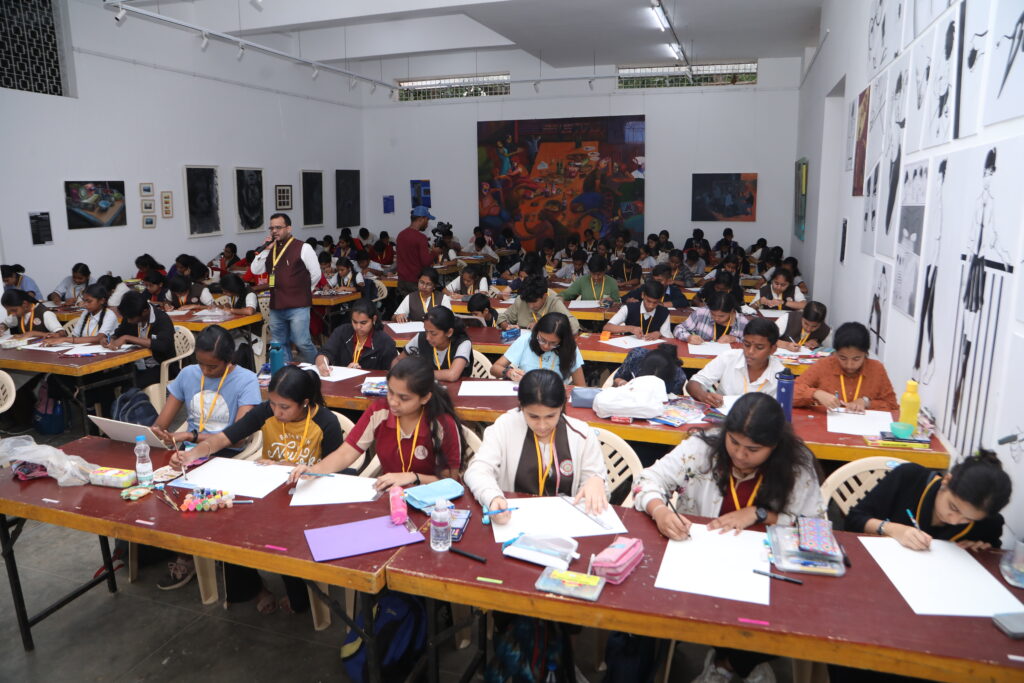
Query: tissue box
x,y
583,397
113,477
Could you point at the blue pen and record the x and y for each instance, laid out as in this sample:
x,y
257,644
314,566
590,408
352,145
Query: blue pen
x,y
316,474
913,519
511,540
498,512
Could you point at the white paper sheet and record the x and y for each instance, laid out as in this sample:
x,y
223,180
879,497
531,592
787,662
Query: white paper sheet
x,y
60,348
631,342
773,313
339,488
174,313
243,478
338,373
488,387
708,349
944,580
554,516
94,348
403,328
804,351
507,302
717,565
584,303
727,403
871,423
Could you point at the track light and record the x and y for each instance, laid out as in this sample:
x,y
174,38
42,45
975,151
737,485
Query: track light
x,y
676,50
316,72
536,86
590,83
352,83
241,50
659,14
373,88
258,4
206,41
122,13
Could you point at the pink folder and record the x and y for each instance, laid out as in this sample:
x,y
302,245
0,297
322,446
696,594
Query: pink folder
x,y
358,538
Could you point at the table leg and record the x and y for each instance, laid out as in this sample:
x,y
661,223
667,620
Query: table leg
x,y
365,633
108,564
7,548
432,643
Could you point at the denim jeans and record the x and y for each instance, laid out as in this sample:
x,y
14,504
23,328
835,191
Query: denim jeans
x,y
291,326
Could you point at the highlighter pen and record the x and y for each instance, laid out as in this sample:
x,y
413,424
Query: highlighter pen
x,y
497,512
778,577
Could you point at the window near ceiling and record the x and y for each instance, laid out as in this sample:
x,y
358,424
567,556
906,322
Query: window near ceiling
x,y
698,75
449,87
31,47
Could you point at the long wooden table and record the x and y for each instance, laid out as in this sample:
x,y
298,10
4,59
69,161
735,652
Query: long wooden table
x,y
859,620
190,321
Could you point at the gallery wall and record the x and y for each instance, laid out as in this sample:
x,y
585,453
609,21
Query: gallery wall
x,y
149,102
970,345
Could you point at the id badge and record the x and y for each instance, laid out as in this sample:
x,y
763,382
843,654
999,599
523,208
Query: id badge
x,y
270,280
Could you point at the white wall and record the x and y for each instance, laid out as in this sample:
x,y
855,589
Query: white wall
x,y
717,129
143,122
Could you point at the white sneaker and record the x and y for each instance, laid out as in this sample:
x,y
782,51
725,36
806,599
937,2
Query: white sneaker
x,y
762,673
713,673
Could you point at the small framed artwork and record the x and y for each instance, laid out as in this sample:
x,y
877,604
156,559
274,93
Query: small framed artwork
x,y
145,189
148,206
167,204
283,197
149,222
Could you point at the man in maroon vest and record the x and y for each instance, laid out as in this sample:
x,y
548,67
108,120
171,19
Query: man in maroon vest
x,y
413,252
293,271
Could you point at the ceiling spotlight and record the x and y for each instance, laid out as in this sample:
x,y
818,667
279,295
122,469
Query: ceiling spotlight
x,y
590,83
206,41
120,16
676,50
316,72
659,14
241,50
536,86
258,4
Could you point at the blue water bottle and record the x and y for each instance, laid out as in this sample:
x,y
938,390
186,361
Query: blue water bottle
x,y
784,393
276,357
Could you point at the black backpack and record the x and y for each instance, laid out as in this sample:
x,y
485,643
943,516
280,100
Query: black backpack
x,y
528,650
400,627
133,406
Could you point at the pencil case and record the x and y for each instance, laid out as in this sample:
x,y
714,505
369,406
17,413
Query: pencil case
x,y
113,477
616,562
815,536
583,397
424,496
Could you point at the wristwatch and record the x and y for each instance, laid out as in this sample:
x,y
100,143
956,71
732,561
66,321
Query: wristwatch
x,y
762,514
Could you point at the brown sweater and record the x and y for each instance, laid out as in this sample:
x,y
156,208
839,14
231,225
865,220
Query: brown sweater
x,y
824,375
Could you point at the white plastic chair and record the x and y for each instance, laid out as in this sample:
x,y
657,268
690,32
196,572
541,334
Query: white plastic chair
x,y
854,480
184,346
620,459
610,381
382,291
481,366
69,327
7,392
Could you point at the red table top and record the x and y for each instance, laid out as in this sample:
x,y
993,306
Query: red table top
x,y
867,623
48,361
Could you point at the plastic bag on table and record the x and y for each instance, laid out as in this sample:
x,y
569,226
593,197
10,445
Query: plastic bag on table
x,y
68,470
642,397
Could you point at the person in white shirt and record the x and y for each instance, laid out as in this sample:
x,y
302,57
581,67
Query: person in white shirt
x,y
96,324
468,283
741,371
481,248
574,271
648,257
572,245
116,287
647,319
70,288
369,269
427,295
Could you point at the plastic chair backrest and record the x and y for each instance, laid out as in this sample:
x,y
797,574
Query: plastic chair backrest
x,y
620,459
854,480
7,392
481,366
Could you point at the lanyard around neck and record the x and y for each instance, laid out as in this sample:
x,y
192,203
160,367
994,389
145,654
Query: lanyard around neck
x,y
735,496
542,472
415,438
31,315
856,392
437,359
277,256
204,415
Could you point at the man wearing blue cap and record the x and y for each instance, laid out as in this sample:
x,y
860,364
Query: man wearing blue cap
x,y
413,252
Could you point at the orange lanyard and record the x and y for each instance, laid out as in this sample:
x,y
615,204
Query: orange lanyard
x,y
920,502
359,348
757,389
437,359
736,498
182,299
542,472
856,392
415,438
305,430
31,315
203,414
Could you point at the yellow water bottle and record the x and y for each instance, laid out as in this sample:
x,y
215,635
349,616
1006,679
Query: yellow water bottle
x,y
910,404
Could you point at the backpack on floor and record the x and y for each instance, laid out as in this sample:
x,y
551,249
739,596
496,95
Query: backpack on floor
x,y
527,650
400,628
632,659
133,406
49,416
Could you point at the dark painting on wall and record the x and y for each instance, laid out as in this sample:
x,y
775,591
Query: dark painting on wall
x,y
552,178
346,197
860,145
203,200
842,243
94,204
249,190
419,191
724,197
800,200
39,224
312,198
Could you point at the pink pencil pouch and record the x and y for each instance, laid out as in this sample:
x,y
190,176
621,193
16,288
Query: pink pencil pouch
x,y
617,561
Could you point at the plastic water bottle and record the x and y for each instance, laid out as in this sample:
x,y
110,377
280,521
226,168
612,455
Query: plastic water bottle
x,y
441,526
143,465
276,357
552,676
784,392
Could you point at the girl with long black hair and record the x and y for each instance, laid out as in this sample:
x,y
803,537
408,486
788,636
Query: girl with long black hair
x,y
360,343
443,342
96,324
550,345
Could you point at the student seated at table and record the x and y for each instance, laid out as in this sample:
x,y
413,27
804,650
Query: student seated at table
x,y
529,264
479,306
696,265
757,250
444,343
566,253
961,505
661,361
595,286
571,272
535,300
240,300
719,321
551,344
144,324
344,248
258,283
368,268
183,296
588,243
297,429
537,449
414,431
145,264
781,293
96,324
481,248
626,270
192,269
618,249
116,289
429,293
155,283
25,314
804,328
14,278
360,343
741,371
70,289
604,250
448,253
696,241
724,246
794,267
649,257
547,254
724,282
674,295
328,274
348,281
730,264
754,470
647,318
469,282
224,259
848,378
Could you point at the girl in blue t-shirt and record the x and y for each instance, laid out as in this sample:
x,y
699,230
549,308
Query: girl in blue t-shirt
x,y
550,345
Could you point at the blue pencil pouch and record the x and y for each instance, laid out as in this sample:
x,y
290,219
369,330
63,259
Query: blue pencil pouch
x,y
424,496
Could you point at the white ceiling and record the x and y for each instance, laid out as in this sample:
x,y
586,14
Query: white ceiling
x,y
562,33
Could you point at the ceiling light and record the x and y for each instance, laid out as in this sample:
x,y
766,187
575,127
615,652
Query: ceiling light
x,y
206,41
676,50
241,50
120,16
659,14
536,86
316,72
352,83
258,4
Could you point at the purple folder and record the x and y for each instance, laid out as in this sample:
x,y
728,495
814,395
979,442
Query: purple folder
x,y
358,538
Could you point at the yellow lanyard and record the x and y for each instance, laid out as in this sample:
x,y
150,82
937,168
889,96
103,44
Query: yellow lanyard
x,y
725,332
920,502
95,325
204,415
650,320
856,392
593,290
305,430
347,282
415,438
275,256
804,338
424,303
736,498
542,473
359,348
781,303
757,389
182,299
674,274
437,359
31,315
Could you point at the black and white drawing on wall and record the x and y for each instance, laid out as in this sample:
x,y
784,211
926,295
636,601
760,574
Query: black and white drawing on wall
x,y
867,237
917,96
988,185
1008,438
892,159
974,58
919,15
1004,98
926,356
885,32
878,314
249,190
913,194
312,199
877,118
940,101
203,200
